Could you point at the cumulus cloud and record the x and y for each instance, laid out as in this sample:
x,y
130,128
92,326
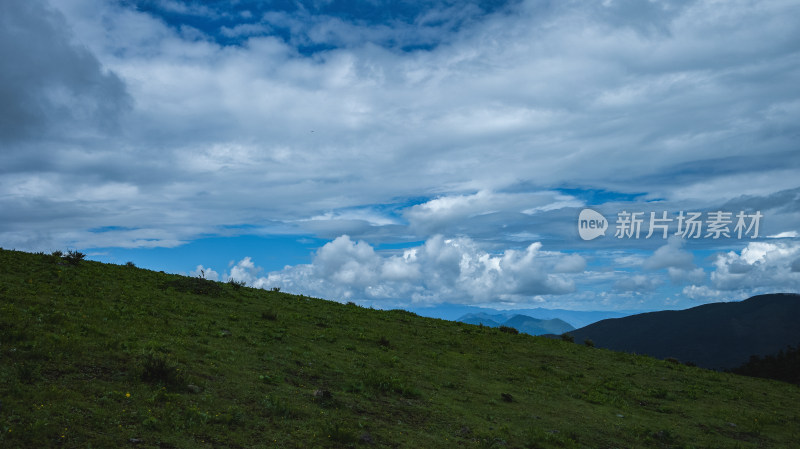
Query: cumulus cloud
x,y
758,265
245,271
440,270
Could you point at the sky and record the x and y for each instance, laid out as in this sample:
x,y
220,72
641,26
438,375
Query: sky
x,y
404,154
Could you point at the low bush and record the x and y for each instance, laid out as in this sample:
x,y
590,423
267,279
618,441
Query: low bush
x,y
156,369
74,257
236,284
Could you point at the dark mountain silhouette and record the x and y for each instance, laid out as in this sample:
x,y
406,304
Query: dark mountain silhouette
x,y
716,336
522,323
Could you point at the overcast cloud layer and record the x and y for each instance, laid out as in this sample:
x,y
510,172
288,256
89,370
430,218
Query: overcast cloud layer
x,y
468,134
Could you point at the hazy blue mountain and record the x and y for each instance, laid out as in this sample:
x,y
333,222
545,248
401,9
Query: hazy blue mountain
x,y
522,323
717,336
535,326
576,319
482,318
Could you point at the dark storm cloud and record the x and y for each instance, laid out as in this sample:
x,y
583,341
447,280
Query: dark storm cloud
x,y
49,86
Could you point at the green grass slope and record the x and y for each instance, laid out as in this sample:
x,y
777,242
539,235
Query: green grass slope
x,y
95,355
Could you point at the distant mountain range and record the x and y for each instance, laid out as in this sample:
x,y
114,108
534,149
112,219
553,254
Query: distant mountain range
x,y
576,319
716,336
522,323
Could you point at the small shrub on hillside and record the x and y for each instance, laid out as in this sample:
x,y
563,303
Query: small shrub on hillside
x,y
273,379
130,264
508,330
336,433
672,360
278,408
588,343
386,383
275,289
58,254
74,257
324,398
383,341
198,286
568,337
157,369
236,284
269,315
27,372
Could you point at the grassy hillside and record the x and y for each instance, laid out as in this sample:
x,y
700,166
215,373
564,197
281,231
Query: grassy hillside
x,y
95,355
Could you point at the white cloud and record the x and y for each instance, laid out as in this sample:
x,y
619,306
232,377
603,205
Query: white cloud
x,y
500,100
693,276
244,271
670,256
637,283
345,262
795,267
759,265
440,270
784,235
627,260
373,218
705,293
443,212
245,29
